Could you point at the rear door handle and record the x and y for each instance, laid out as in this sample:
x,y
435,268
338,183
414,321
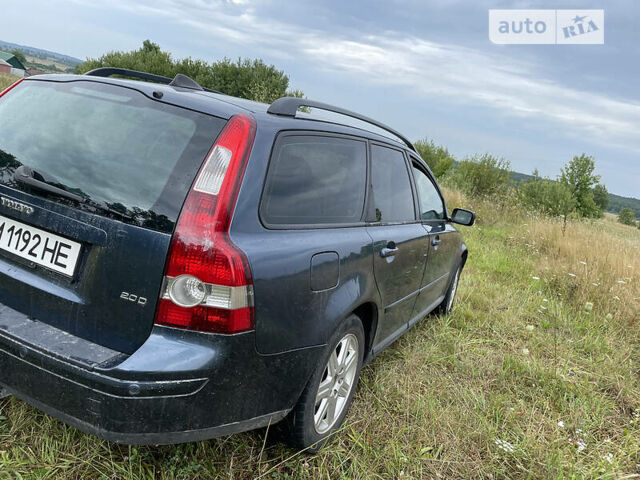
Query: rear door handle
x,y
389,251
435,240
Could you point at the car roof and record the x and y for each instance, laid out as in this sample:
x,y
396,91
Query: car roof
x,y
224,106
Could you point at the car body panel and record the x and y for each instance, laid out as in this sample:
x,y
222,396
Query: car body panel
x,y
399,276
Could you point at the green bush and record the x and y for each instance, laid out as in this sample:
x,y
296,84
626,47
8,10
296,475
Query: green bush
x,y
438,158
547,196
483,175
627,217
252,79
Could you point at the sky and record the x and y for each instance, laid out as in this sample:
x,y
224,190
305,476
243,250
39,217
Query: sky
x,y
426,68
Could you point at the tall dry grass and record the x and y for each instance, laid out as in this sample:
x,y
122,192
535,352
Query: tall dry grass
x,y
593,263
7,80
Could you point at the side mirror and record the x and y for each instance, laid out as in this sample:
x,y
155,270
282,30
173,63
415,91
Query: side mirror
x,y
463,217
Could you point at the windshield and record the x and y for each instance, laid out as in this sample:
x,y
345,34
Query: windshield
x,y
106,143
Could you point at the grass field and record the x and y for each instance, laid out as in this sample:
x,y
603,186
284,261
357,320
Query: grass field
x,y
6,80
533,375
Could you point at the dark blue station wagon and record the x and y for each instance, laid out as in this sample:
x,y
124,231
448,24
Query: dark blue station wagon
x,y
177,264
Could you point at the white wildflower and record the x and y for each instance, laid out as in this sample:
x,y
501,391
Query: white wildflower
x,y
536,278
543,307
581,444
572,275
622,282
561,424
545,300
579,430
583,262
595,284
530,328
615,297
609,457
525,351
504,445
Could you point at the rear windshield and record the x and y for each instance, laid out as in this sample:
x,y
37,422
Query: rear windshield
x,y
111,145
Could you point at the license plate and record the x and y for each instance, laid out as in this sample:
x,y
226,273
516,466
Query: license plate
x,y
42,248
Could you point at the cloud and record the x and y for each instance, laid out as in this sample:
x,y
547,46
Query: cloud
x,y
465,75
427,69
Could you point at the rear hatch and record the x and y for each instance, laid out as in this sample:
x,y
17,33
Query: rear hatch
x,y
92,179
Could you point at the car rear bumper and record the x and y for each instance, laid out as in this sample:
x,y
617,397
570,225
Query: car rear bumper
x,y
177,387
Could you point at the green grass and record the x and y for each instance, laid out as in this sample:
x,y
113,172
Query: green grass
x,y
522,363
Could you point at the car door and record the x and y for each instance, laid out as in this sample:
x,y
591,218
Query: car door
x,y
442,241
400,242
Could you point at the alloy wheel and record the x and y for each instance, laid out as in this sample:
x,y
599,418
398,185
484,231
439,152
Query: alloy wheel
x,y
336,384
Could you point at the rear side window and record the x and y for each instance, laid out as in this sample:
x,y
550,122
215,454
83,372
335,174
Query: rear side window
x,y
106,143
392,194
431,206
315,180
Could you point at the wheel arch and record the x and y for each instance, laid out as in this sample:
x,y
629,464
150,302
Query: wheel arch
x,y
464,255
368,314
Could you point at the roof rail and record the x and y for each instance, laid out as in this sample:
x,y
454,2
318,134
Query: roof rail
x,y
288,107
179,80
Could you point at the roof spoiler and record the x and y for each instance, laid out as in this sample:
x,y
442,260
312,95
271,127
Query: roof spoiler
x,y
288,107
180,80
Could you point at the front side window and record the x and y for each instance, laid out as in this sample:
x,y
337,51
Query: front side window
x,y
315,180
392,195
429,200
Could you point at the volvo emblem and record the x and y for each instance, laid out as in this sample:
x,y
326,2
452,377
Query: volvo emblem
x,y
17,206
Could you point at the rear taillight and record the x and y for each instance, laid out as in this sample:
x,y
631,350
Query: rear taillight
x,y
10,87
207,284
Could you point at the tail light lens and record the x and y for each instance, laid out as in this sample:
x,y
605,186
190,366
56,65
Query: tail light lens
x,y
10,87
207,284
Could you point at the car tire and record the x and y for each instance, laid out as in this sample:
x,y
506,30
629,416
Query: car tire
x,y
311,424
447,304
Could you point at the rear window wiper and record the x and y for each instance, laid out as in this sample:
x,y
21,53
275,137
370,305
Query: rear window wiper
x,y
31,178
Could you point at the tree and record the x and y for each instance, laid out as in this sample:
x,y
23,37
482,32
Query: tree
x,y
19,55
627,217
578,176
601,196
252,79
547,196
483,175
438,158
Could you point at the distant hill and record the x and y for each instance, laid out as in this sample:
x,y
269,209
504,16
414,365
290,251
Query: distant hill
x,y
616,202
72,61
43,60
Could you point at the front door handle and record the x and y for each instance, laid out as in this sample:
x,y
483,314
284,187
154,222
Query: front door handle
x,y
435,241
389,251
